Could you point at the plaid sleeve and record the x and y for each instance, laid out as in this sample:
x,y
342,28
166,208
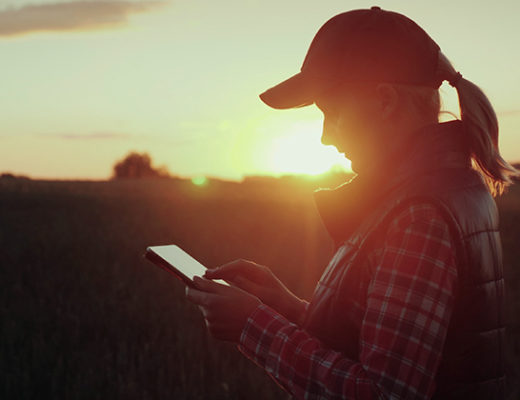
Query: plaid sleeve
x,y
408,308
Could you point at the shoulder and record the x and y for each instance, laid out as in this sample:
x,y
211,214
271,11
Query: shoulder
x,y
418,228
419,214
416,243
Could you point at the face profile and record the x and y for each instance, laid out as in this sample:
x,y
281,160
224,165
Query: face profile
x,y
360,121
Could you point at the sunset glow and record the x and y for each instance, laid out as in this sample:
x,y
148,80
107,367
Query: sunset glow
x,y
300,151
84,83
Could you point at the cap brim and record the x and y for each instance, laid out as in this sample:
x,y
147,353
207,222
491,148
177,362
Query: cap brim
x,y
299,90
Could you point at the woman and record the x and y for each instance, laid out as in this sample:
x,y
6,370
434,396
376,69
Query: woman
x,y
411,304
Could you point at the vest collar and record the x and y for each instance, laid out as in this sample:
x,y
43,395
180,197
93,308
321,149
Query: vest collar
x,y
433,147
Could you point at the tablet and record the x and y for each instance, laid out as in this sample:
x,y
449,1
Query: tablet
x,y
176,261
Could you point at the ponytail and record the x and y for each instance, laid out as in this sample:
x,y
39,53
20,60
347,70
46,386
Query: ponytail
x,y
481,126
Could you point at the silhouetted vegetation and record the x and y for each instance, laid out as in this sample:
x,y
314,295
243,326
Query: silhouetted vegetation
x,y
83,316
138,165
9,175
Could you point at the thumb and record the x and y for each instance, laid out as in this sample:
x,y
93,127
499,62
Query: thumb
x,y
249,286
210,273
207,285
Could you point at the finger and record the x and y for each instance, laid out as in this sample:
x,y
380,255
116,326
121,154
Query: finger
x,y
234,268
217,330
200,297
216,333
215,325
205,313
249,286
228,270
207,285
223,332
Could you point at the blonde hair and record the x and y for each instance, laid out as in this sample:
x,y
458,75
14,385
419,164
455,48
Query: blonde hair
x,y
424,100
479,120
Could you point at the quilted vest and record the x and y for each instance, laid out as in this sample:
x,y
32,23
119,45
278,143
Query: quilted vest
x,y
435,169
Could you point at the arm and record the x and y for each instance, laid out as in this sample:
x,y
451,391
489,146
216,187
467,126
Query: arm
x,y
409,303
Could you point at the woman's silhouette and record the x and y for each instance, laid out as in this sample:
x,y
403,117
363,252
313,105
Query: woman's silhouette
x,y
412,303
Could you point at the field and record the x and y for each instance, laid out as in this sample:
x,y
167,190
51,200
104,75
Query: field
x,y
83,316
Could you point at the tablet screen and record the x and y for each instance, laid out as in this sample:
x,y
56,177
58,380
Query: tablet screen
x,y
181,261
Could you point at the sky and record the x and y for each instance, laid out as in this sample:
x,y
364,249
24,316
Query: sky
x,y
86,82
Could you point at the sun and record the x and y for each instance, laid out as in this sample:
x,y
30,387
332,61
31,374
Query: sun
x,y
298,150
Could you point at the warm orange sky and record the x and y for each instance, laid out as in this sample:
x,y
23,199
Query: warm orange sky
x,y
85,82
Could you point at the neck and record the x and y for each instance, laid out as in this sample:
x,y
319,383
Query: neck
x,y
395,142
438,146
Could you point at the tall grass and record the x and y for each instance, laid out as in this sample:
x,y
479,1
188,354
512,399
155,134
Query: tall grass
x,y
83,316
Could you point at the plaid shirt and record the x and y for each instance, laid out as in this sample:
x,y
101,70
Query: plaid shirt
x,y
408,307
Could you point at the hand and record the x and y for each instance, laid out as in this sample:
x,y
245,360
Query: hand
x,y
260,281
225,308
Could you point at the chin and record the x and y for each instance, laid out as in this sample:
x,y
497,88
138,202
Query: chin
x,y
354,167
357,166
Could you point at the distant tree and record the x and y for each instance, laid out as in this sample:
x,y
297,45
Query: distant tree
x,y
11,176
138,165
7,175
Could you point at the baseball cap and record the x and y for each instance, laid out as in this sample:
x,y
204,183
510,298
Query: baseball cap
x,y
366,45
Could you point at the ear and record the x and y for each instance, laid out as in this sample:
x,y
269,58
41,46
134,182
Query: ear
x,y
387,100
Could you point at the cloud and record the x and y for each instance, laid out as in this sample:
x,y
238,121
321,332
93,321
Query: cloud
x,y
89,136
70,16
166,140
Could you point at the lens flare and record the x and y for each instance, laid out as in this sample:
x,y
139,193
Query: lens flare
x,y
199,180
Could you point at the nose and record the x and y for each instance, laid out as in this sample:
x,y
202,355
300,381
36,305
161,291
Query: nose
x,y
329,132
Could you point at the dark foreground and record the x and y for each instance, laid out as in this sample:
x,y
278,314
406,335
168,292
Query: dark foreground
x,y
83,316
